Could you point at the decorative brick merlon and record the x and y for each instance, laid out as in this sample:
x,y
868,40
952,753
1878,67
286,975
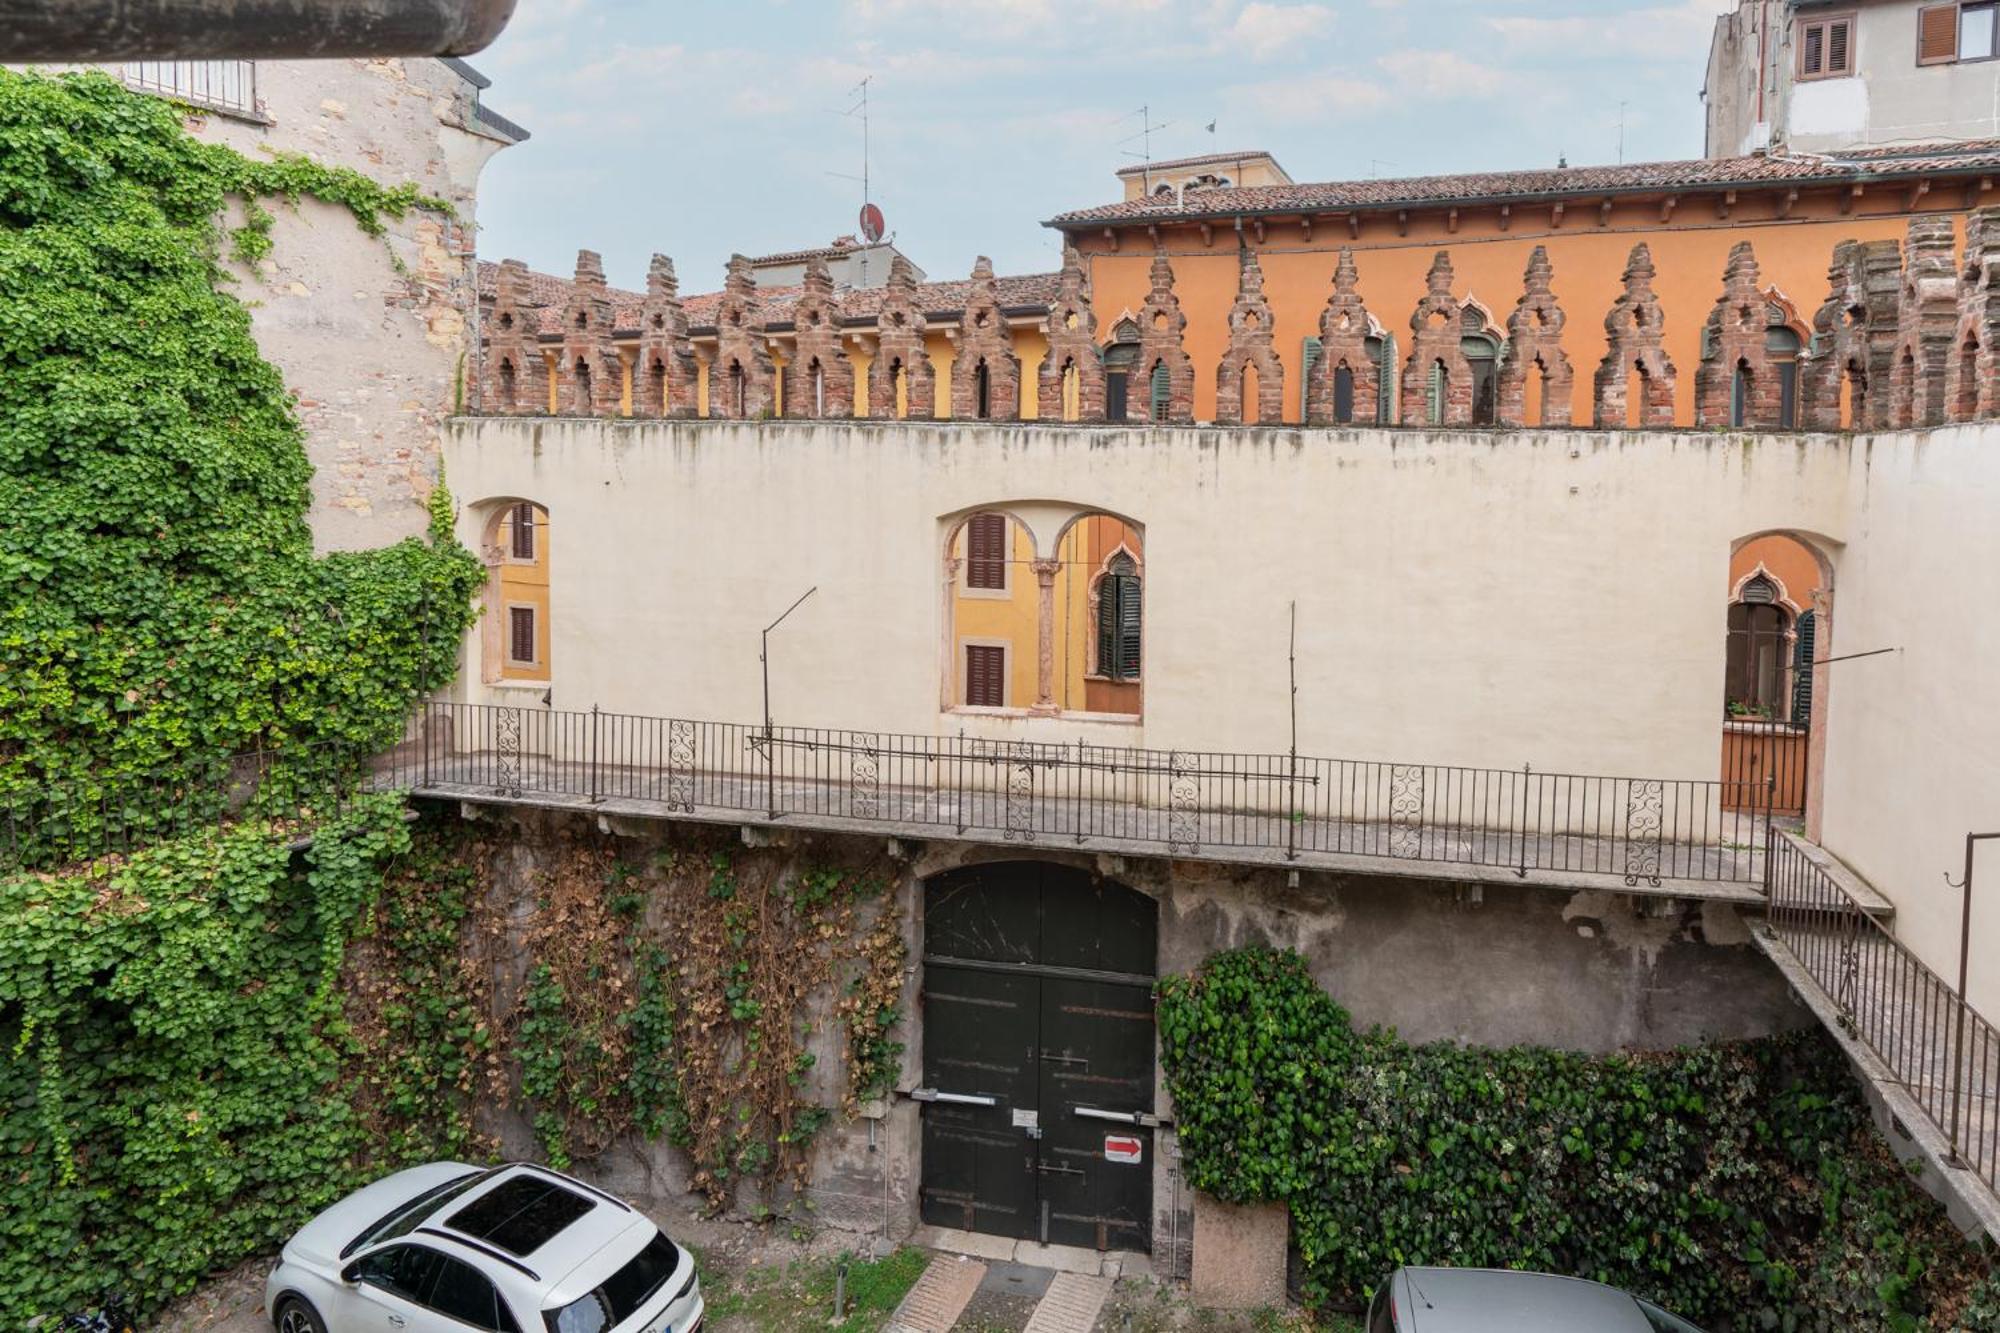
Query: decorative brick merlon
x,y
1070,380
1437,379
590,375
1251,347
515,382
1534,347
901,357
1926,324
742,380
1163,357
1736,383
1344,330
1635,330
985,372
819,379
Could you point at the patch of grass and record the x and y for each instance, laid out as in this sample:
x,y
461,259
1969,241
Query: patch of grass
x,y
800,1294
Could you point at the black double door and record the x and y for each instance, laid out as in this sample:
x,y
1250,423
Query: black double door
x,y
1038,1052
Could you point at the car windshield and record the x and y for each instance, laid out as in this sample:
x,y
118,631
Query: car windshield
x,y
409,1216
623,1294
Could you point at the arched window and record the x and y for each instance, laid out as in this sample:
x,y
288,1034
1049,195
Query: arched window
x,y
1755,680
1119,619
982,390
516,625
583,394
1121,358
1739,394
510,390
1783,345
1343,394
1482,348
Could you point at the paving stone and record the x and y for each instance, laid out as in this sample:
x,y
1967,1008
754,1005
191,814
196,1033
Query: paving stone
x,y
934,1304
1072,1305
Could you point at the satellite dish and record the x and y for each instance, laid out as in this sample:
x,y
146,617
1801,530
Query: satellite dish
x,y
871,223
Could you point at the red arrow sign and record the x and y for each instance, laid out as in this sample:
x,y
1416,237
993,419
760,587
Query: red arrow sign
x,y
1123,1148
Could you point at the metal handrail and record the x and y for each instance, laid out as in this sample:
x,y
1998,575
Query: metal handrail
x,y
1930,1040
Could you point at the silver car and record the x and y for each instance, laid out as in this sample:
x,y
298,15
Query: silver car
x,y
1495,1300
450,1248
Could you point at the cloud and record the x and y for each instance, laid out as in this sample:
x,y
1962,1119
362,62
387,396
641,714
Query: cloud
x,y
1262,30
1441,74
1305,98
1656,31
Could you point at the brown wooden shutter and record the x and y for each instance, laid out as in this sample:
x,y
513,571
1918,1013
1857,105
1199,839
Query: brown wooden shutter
x,y
985,676
986,563
1839,46
524,532
521,629
1812,49
1937,34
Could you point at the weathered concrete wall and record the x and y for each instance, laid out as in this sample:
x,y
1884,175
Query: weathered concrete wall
x,y
1584,971
370,334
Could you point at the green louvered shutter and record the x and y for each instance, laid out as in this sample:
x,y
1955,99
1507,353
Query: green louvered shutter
x,y
1434,398
1308,359
1803,656
1163,390
1385,382
1119,621
1128,627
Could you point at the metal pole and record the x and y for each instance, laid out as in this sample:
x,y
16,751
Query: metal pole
x,y
1964,964
1294,814
764,661
595,797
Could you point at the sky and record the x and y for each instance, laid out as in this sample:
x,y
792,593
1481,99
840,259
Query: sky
x,y
701,128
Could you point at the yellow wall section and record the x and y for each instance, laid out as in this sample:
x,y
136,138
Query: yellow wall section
x,y
1589,262
1011,617
1085,549
523,583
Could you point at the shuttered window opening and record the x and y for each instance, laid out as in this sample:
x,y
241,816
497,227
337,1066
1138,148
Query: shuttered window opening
x,y
986,552
1802,668
523,535
1119,620
1937,34
1163,390
1978,32
985,676
1308,360
521,634
1385,378
1826,47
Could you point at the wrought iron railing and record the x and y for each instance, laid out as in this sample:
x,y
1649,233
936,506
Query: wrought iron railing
x,y
1933,1044
1258,806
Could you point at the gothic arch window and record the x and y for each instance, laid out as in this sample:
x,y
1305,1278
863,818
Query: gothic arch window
x,y
1121,358
1756,679
1117,599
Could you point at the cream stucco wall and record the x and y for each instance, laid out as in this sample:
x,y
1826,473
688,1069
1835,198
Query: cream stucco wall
x,y
1487,599
1913,761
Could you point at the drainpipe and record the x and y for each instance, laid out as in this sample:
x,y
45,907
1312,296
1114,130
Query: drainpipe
x,y
106,30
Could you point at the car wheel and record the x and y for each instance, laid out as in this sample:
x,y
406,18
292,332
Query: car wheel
x,y
296,1315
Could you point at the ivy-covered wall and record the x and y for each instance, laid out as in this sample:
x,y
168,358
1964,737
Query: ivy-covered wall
x,y
1741,1185
159,597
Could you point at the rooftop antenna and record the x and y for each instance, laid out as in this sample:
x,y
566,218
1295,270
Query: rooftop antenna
x,y
1145,138
1621,132
1375,165
872,225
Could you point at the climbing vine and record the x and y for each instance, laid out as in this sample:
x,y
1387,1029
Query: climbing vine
x,y
680,996
171,1023
1741,1185
160,602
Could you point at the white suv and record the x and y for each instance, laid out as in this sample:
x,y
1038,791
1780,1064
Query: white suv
x,y
515,1249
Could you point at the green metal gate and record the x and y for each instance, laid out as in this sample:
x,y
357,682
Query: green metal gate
x,y
1038,1056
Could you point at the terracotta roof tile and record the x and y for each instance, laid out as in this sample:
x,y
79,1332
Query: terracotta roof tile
x,y
1969,157
1174,163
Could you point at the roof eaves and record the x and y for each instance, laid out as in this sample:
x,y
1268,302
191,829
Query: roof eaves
x,y
1082,219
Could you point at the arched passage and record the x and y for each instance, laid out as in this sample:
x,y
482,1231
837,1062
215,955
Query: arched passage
x,y
1777,623
1038,1046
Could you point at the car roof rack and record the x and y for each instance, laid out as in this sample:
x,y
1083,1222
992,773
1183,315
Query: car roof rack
x,y
483,1248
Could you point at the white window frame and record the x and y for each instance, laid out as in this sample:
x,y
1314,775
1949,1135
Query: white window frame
x,y
219,85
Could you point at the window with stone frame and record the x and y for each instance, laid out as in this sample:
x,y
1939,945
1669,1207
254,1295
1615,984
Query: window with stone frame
x,y
1119,617
521,635
985,676
1825,46
521,532
1755,681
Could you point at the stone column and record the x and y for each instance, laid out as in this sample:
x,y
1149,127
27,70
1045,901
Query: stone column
x,y
1045,636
